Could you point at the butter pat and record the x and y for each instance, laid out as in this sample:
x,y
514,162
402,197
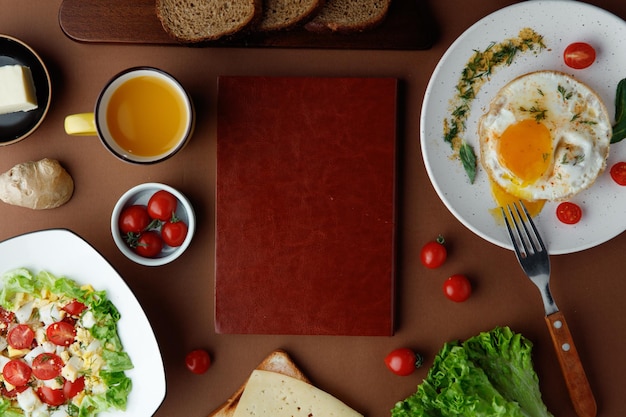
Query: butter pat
x,y
17,89
271,394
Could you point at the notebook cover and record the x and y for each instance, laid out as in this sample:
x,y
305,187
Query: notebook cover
x,y
305,206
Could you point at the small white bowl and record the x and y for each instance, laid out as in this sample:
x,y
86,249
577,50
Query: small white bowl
x,y
140,194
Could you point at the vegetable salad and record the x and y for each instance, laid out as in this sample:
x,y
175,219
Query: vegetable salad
x,y
60,353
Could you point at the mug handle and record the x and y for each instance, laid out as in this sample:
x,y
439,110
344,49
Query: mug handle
x,y
81,124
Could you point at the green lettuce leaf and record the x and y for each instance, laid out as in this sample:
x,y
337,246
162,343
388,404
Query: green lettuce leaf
x,y
490,374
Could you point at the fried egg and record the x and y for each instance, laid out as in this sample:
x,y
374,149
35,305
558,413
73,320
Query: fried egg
x,y
544,138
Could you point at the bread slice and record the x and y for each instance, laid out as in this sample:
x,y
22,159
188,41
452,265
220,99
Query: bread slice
x,y
277,361
287,14
349,15
193,21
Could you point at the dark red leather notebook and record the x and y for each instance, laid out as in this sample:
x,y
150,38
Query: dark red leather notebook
x,y
305,206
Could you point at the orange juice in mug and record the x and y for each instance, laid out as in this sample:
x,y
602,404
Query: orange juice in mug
x,y
142,115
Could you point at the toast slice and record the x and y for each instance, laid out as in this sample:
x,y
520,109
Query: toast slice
x,y
194,21
287,14
349,16
277,361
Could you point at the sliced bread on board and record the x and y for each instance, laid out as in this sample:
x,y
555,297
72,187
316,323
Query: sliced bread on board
x,y
193,21
287,14
349,15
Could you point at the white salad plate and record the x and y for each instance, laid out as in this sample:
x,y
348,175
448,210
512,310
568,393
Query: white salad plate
x,y
560,22
63,253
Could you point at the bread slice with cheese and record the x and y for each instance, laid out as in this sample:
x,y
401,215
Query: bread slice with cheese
x,y
287,14
277,388
194,21
349,16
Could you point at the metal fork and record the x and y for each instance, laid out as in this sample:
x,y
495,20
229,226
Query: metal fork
x,y
535,261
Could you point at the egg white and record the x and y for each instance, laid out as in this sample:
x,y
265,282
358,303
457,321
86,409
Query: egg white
x,y
579,126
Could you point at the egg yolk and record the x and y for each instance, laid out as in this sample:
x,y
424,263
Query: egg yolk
x,y
525,149
504,199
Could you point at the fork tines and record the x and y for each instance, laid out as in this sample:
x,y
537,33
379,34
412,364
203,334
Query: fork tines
x,y
524,241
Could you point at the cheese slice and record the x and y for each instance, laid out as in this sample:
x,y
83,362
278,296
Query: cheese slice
x,y
270,394
17,89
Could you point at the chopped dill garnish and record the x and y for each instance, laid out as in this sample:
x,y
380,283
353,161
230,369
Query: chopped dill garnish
x,y
566,95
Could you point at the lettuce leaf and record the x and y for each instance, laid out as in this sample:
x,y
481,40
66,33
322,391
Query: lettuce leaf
x,y
490,374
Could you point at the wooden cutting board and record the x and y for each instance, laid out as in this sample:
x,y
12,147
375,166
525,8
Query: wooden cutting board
x,y
408,26
305,206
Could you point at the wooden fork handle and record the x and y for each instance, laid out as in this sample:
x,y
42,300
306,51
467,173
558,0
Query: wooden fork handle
x,y
573,372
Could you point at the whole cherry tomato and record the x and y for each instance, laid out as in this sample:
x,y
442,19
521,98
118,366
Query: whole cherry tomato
x,y
434,253
198,361
134,219
403,361
579,55
174,232
149,244
618,173
569,213
162,205
457,288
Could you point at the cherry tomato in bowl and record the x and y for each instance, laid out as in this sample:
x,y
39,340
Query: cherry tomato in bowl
x,y
174,232
579,55
198,361
434,253
457,288
403,361
134,219
162,205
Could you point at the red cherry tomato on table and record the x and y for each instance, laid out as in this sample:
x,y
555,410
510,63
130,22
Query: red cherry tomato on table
x,y
61,333
149,244
618,173
16,372
162,205
457,288
51,396
47,366
71,389
569,213
134,219
579,55
174,232
434,254
20,337
198,361
403,361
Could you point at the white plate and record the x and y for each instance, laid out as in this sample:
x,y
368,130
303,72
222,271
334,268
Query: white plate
x,y
561,22
63,253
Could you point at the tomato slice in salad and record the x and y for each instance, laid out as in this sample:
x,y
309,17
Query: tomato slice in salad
x,y
6,318
51,396
71,389
16,372
74,308
61,333
20,337
47,366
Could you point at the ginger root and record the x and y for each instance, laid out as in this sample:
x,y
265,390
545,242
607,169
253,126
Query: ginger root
x,y
37,185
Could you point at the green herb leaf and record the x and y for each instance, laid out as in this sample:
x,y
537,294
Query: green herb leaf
x,y
619,129
468,158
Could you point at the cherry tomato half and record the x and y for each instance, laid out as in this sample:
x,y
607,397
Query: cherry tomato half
x,y
51,396
71,389
457,288
134,219
74,308
569,213
403,361
162,205
434,253
618,173
198,361
174,232
579,55
47,366
20,337
16,372
61,333
149,244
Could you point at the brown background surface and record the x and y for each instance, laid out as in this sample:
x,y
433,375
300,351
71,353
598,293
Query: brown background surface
x,y
178,298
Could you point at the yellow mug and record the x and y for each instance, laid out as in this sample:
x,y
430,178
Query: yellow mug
x,y
143,115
